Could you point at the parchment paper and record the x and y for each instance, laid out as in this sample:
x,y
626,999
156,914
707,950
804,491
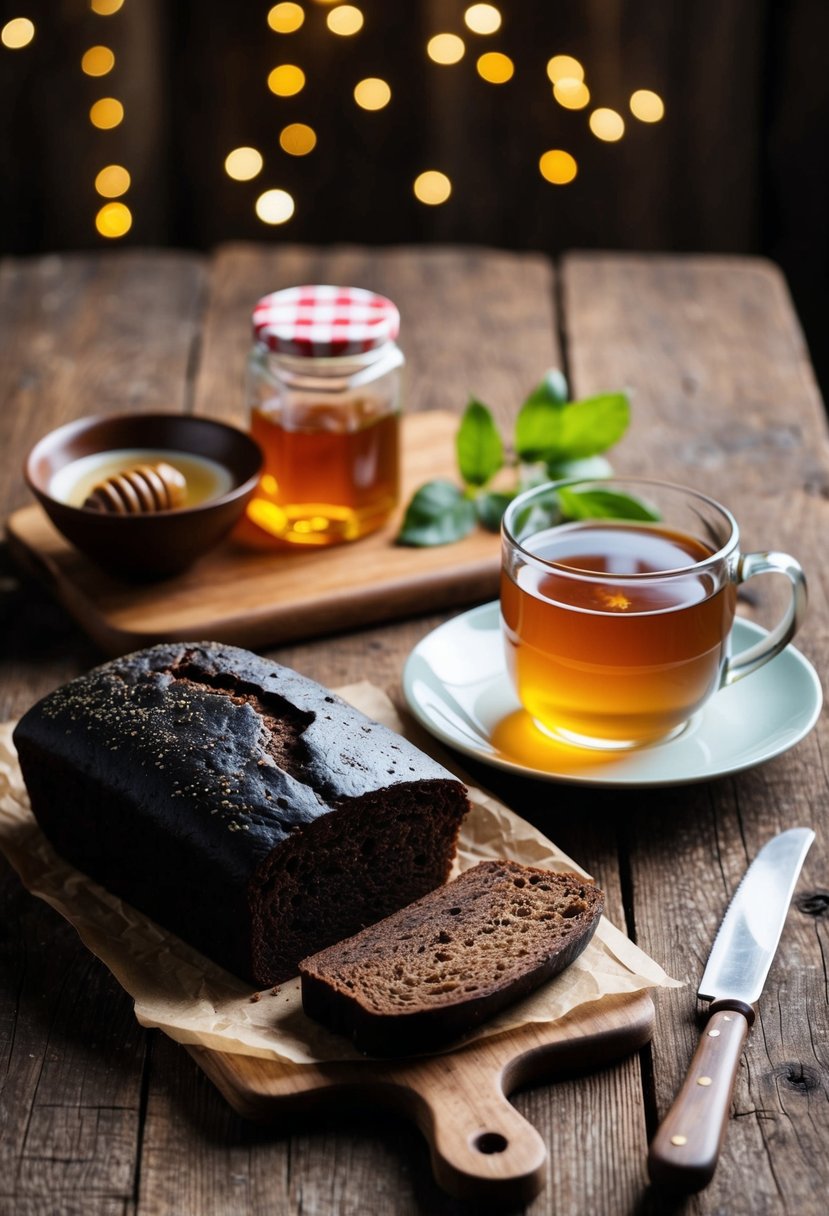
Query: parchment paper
x,y
195,1001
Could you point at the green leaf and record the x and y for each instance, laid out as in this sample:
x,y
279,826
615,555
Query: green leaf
x,y
478,445
537,428
590,466
588,427
604,504
553,388
490,506
438,514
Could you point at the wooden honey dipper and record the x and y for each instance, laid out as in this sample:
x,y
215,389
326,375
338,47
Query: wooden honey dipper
x,y
139,491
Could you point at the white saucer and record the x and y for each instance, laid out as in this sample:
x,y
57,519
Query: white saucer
x,y
456,684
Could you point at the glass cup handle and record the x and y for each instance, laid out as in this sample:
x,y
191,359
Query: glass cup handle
x,y
755,656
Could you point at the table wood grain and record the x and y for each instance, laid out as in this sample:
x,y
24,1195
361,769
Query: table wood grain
x,y
100,1117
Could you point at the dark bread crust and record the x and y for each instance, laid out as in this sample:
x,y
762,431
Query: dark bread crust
x,y
238,803
439,968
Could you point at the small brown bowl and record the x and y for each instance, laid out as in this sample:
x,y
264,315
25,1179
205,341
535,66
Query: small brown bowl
x,y
163,542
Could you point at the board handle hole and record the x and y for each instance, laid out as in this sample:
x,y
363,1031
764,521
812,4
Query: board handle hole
x,y
490,1142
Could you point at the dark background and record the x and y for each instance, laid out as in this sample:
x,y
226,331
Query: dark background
x,y
739,163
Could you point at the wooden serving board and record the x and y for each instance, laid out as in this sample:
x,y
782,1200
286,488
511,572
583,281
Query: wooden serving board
x,y
250,593
481,1147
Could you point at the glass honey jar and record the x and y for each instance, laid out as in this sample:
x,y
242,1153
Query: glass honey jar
x,y
324,380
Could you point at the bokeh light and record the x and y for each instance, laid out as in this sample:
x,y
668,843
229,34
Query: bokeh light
x,y
17,33
106,113
495,67
432,187
345,20
285,18
105,8
286,80
274,206
243,163
571,93
564,65
482,18
607,125
112,181
113,220
97,61
647,106
372,93
558,167
297,139
445,48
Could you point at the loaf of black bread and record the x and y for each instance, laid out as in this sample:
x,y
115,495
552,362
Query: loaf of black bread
x,y
457,956
239,804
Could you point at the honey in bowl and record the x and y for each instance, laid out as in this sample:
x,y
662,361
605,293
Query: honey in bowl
x,y
204,478
622,659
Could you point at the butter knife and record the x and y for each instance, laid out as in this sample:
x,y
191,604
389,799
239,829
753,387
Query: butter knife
x,y
683,1154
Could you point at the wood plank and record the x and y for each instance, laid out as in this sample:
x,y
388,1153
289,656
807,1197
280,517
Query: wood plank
x,y
724,398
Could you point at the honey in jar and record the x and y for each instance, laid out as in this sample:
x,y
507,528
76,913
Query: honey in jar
x,y
324,392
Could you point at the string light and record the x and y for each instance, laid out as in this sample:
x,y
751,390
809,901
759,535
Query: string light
x,y
112,181
564,65
558,167
445,48
286,18
17,33
243,163
113,220
432,187
345,20
646,105
105,8
106,113
274,207
97,61
286,80
482,18
297,139
607,125
372,93
495,67
571,93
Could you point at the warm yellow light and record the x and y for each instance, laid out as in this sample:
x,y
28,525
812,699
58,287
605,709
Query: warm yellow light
x,y
432,187
558,167
274,206
105,8
286,80
112,181
571,93
285,18
17,33
372,93
445,48
106,113
495,67
607,125
647,106
564,65
297,139
482,18
242,164
344,20
97,61
113,220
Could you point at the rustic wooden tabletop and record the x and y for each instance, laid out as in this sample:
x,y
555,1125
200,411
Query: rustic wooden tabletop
x,y
98,1116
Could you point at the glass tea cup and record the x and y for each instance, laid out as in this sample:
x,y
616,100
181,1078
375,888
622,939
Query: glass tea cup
x,y
617,630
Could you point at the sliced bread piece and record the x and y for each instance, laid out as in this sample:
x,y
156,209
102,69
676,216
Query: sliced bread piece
x,y
439,967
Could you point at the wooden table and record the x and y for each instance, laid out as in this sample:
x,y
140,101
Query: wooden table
x,y
98,1116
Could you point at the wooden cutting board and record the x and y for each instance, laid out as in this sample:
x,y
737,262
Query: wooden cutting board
x,y
481,1147
249,593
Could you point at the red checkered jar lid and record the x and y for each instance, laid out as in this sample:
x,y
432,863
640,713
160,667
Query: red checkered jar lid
x,y
320,321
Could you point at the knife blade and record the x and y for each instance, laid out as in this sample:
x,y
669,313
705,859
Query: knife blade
x,y
683,1154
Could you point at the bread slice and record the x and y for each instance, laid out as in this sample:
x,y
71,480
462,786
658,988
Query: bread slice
x,y
437,968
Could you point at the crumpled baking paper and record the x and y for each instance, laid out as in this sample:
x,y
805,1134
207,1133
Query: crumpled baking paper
x,y
196,1002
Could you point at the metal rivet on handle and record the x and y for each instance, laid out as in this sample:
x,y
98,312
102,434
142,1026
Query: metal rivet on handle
x,y
713,1034
703,1080
679,1140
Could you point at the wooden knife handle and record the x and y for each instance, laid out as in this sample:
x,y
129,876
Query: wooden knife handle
x,y
683,1154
